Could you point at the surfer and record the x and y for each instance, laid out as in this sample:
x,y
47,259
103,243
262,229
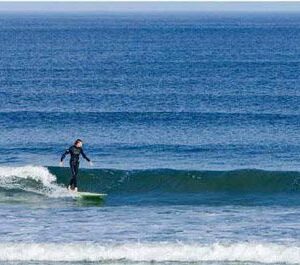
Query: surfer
x,y
75,151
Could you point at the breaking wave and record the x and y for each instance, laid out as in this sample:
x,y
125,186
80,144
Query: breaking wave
x,y
33,179
158,252
207,185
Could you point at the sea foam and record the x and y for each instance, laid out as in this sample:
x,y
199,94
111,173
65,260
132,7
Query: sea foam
x,y
159,252
29,178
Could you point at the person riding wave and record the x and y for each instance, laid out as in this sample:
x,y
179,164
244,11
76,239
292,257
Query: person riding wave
x,y
74,151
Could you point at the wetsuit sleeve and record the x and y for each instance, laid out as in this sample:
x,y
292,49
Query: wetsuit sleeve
x,y
64,155
84,156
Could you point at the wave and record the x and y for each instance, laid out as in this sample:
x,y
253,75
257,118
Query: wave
x,y
158,252
185,181
51,181
32,179
99,118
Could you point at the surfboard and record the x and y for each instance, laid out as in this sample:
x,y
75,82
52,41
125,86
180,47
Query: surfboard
x,y
90,195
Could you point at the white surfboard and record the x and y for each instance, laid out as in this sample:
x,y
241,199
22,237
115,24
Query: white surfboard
x,y
89,195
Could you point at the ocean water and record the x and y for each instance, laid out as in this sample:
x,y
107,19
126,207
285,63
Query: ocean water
x,y
192,121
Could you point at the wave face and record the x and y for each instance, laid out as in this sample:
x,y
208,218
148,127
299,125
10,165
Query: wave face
x,y
166,186
31,179
249,252
167,180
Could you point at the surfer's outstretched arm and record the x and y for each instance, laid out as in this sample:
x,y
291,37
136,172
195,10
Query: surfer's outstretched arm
x,y
64,155
84,156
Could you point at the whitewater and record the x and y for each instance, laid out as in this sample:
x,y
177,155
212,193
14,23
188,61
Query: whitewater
x,y
247,252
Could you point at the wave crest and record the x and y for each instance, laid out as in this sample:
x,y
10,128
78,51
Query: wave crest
x,y
34,179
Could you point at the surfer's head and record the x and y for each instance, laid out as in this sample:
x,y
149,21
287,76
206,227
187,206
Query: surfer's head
x,y
78,143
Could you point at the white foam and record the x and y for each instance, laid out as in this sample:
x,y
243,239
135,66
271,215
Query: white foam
x,y
43,182
249,252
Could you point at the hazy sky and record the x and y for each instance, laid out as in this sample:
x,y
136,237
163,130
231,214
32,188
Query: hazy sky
x,y
149,6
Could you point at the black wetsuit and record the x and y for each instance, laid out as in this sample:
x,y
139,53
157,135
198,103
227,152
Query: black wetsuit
x,y
74,152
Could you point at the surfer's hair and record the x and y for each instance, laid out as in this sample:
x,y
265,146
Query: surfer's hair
x,y
77,141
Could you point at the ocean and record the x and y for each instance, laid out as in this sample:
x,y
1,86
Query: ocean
x,y
192,121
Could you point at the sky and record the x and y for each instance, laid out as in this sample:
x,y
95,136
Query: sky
x,y
149,6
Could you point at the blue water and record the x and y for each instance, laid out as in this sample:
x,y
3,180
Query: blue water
x,y
191,120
